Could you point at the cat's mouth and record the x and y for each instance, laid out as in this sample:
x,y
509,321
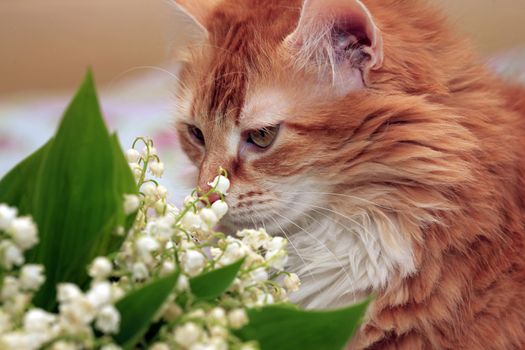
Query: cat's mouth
x,y
280,213
277,221
248,218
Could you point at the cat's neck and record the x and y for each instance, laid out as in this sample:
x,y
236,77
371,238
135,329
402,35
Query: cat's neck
x,y
341,258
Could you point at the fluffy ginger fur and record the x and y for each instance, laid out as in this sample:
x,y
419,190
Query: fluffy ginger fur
x,y
422,170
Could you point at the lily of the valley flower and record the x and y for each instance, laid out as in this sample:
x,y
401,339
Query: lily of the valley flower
x,y
163,240
193,262
32,277
156,169
131,204
221,184
292,282
100,268
132,155
188,334
108,320
24,233
7,215
220,208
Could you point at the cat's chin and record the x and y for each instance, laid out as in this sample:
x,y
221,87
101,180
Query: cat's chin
x,y
231,224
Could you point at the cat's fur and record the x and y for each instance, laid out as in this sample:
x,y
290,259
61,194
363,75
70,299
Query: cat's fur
x,y
399,168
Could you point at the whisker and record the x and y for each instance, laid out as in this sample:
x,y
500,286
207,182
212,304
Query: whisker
x,y
338,195
323,245
365,231
332,211
260,220
297,252
315,238
133,69
253,222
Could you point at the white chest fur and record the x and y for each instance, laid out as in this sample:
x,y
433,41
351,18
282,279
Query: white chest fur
x,y
341,260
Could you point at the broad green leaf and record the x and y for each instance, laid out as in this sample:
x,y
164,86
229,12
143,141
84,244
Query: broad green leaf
x,y
74,195
124,183
138,309
74,188
18,186
284,328
212,284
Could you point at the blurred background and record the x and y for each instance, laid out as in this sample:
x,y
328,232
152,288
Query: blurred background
x,y
45,47
47,44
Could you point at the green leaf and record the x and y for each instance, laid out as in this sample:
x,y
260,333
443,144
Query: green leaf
x,y
212,284
124,180
284,328
74,188
17,187
138,309
74,197
124,183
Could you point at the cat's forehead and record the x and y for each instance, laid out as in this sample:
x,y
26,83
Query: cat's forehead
x,y
260,107
232,78
264,107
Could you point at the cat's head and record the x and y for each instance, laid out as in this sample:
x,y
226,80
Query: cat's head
x,y
262,96
318,105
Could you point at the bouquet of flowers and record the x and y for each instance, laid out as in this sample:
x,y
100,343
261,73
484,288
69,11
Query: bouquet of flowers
x,y
93,256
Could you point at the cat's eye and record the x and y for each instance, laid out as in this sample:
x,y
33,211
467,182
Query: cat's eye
x,y
263,138
196,133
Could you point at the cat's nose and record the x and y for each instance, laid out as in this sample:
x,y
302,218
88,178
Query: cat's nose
x,y
212,198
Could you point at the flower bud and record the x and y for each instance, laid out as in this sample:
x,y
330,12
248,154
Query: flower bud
x,y
208,216
191,220
292,282
131,204
63,345
172,312
108,320
68,292
218,316
140,271
160,346
145,246
10,287
7,215
187,334
167,268
101,268
136,169
10,255
37,320
156,168
183,284
193,262
99,294
259,275
220,208
237,318
149,189
132,155
162,192
24,232
221,184
32,277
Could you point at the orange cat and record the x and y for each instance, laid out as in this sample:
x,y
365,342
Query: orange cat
x,y
368,134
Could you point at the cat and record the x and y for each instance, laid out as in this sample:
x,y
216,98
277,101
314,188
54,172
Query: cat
x,y
369,134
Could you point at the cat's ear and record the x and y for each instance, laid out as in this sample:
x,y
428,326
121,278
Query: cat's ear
x,y
342,33
198,10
